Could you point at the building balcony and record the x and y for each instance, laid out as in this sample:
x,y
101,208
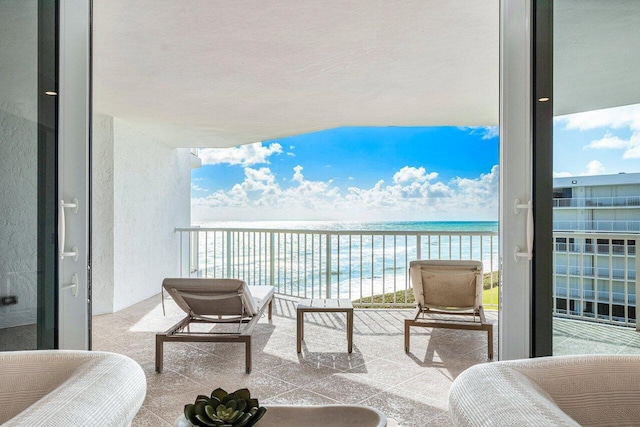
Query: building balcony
x,y
597,202
609,226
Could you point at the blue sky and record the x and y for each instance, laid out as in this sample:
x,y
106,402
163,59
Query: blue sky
x,y
352,173
394,173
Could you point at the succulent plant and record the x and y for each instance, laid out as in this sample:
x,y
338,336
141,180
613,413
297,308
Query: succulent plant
x,y
224,409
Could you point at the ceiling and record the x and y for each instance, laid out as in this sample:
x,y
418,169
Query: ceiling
x,y
218,73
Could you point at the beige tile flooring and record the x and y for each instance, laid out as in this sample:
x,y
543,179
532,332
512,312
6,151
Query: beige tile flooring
x,y
411,388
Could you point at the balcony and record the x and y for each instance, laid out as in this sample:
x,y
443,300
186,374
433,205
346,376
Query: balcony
x,y
598,202
352,264
409,387
597,225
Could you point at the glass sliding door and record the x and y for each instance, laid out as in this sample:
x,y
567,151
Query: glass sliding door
x,y
44,189
28,180
596,176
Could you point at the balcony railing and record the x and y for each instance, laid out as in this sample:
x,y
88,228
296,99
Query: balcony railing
x,y
592,281
598,202
330,264
597,225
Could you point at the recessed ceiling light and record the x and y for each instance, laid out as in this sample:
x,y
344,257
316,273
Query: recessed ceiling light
x,y
543,99
51,93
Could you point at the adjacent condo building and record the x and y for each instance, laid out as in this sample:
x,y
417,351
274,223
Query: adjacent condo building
x,y
596,222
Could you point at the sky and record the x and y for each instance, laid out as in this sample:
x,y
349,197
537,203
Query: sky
x,y
394,173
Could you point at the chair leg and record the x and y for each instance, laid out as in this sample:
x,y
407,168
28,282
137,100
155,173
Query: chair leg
x,y
159,352
270,309
247,354
490,342
350,331
299,330
407,335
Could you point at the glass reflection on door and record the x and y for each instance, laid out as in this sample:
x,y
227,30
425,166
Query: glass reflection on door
x,y
27,132
596,195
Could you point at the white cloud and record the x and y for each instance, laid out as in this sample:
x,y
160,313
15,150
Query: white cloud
x,y
486,132
196,187
632,152
614,118
630,146
594,167
611,118
562,174
609,141
263,196
409,173
244,155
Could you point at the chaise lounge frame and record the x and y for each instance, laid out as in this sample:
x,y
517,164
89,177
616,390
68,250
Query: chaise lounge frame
x,y
428,305
223,304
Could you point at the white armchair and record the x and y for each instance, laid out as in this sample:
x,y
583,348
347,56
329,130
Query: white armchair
x,y
69,388
589,390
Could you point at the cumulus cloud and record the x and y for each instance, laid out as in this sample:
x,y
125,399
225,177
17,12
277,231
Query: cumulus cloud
x,y
264,196
594,167
611,118
562,174
244,155
196,187
486,132
614,118
630,146
409,173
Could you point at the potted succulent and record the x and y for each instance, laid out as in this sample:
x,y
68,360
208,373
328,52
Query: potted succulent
x,y
222,409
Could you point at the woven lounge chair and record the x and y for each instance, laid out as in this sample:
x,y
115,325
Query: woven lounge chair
x,y
215,301
447,293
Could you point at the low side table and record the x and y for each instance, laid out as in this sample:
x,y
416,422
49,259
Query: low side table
x,y
324,306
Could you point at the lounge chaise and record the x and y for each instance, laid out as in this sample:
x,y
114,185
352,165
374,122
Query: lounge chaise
x,y
451,290
215,301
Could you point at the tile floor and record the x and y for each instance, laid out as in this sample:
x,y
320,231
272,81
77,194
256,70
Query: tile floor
x,y
411,388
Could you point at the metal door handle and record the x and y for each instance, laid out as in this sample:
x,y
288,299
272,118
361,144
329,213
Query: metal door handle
x,y
530,229
62,229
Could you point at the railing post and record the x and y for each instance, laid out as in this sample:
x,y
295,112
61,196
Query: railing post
x,y
272,265
229,257
328,265
418,247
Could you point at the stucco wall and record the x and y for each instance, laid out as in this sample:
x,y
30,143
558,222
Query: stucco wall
x,y
102,210
18,161
134,245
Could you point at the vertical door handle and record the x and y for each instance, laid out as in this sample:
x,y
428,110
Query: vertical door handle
x,y
530,229
62,232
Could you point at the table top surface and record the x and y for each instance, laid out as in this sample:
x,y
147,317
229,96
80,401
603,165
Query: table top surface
x,y
325,305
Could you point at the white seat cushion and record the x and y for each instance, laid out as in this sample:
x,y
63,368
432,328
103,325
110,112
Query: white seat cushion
x,y
261,294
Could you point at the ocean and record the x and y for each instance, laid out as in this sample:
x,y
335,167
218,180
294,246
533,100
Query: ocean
x,y
335,259
457,226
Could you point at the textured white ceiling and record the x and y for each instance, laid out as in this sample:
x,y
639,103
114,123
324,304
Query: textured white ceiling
x,y
226,72
222,73
596,54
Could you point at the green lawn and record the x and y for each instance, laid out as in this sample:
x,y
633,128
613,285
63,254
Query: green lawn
x,y
488,295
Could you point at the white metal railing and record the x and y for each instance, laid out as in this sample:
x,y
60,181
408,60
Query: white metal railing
x,y
330,264
597,225
595,276
598,202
